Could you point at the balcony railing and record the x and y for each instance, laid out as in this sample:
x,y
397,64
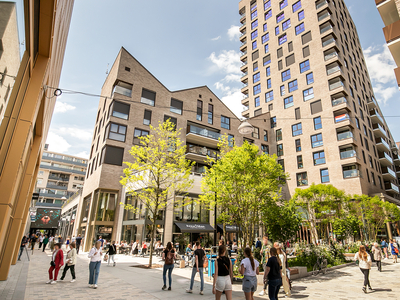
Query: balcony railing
x,y
339,101
351,173
323,16
244,74
325,29
244,53
375,113
384,155
348,154
389,170
345,135
320,4
244,42
203,132
242,33
382,141
377,126
331,55
204,151
327,42
53,177
333,70
336,85
391,186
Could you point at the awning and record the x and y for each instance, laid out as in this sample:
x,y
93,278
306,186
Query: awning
x,y
194,227
228,228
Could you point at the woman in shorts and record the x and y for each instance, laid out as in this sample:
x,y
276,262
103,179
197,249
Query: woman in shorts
x,y
249,268
223,275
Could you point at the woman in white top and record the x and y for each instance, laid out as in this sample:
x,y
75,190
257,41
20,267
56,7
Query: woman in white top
x,y
285,280
364,262
95,255
249,268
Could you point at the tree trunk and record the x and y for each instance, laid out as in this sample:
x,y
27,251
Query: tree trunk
x,y
153,232
313,227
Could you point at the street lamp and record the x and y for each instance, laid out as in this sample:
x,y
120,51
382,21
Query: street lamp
x,y
246,128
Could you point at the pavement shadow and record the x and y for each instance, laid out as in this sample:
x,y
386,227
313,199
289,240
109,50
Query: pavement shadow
x,y
380,290
330,275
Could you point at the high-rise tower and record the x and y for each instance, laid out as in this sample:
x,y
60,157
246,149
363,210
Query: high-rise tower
x,y
303,63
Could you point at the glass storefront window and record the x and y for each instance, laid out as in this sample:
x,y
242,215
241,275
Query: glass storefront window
x,y
137,213
189,209
106,207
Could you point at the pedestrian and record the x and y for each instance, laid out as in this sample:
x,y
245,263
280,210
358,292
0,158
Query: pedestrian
x,y
112,250
101,241
144,248
70,262
249,269
67,243
384,246
135,248
364,262
57,260
223,275
73,239
198,266
45,242
168,257
394,250
41,238
33,241
22,246
258,243
95,255
285,280
273,274
78,241
377,253
265,255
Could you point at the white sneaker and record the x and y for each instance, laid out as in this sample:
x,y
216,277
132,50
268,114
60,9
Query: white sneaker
x,y
262,293
73,280
48,282
53,282
95,286
189,291
201,293
91,285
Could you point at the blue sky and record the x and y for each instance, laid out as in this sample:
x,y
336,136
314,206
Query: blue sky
x,y
184,44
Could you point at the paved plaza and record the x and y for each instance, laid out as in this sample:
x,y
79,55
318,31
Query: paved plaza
x,y
27,281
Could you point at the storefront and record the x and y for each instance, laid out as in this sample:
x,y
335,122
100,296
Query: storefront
x,y
191,232
231,231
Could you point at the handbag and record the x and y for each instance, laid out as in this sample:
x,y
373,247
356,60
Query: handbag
x,y
357,262
52,263
105,257
205,263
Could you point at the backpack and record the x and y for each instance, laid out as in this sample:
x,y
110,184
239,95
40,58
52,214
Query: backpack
x,y
169,258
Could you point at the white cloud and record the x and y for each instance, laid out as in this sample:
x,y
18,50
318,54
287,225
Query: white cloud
x,y
76,133
83,154
233,32
227,61
383,94
216,38
57,143
233,99
62,107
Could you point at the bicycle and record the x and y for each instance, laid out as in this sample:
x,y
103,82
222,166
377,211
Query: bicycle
x,y
320,266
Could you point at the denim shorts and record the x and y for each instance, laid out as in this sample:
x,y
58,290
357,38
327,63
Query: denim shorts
x,y
249,284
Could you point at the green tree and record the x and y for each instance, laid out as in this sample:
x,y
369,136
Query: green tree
x,y
346,226
324,203
244,181
281,220
159,171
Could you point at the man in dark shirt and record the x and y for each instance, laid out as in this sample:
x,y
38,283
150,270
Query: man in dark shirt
x,y
22,246
33,241
199,255
78,242
273,274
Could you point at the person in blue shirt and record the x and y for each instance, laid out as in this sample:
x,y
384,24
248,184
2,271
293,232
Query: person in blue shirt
x,y
101,241
258,243
384,246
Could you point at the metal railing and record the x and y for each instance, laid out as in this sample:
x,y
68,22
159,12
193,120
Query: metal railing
x,y
333,70
331,55
323,16
338,101
320,4
327,42
325,29
348,154
204,132
345,135
204,151
351,173
336,85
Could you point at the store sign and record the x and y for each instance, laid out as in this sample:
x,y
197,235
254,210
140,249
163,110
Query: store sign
x,y
33,215
195,226
103,230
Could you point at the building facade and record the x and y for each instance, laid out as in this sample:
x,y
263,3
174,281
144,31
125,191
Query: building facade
x,y
390,13
132,99
303,64
37,30
68,224
60,176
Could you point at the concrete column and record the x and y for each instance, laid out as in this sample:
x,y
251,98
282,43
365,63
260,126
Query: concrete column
x,y
169,221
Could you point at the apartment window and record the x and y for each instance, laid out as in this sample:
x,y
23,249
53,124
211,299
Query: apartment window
x,y
256,89
254,34
256,133
282,89
176,106
297,129
273,122
279,135
286,75
231,140
306,51
138,133
120,110
293,86
279,149
254,15
290,46
270,107
225,122
324,175
298,145
357,122
147,117
380,182
269,96
308,94
282,39
283,4
112,155
255,55
301,15
254,45
280,65
255,66
319,158
365,130
199,115
148,97
305,38
116,132
366,144
123,88
290,60
265,27
254,24
280,17
299,28
257,112
317,123
267,4
304,66
265,38
269,83
302,179
282,163
265,136
286,25
267,60
173,120
266,49
257,102
265,149
288,102
296,6
373,178
297,113
300,162
268,71
268,15
277,30
310,78
316,140
210,113
363,155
